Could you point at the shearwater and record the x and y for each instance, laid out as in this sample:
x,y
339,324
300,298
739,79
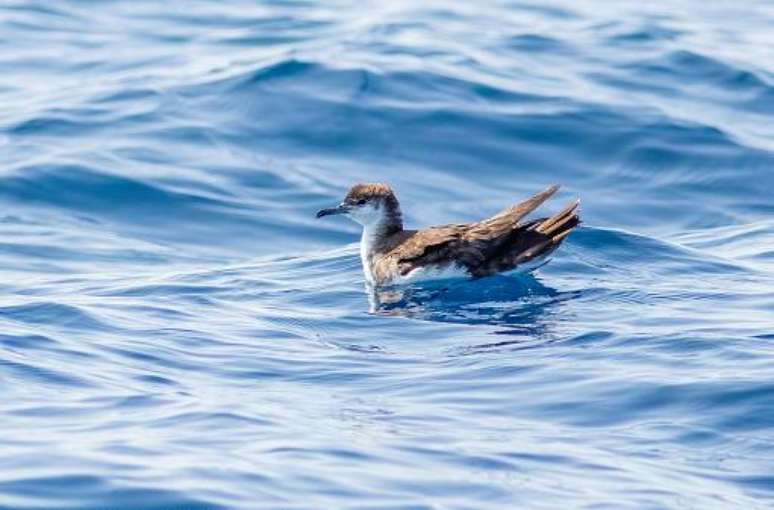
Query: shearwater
x,y
502,243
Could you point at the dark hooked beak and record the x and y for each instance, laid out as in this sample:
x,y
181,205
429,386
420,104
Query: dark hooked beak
x,y
340,209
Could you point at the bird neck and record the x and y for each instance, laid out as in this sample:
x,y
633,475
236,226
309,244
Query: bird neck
x,y
389,223
376,238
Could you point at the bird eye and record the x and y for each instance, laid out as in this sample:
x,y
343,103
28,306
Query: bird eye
x,y
362,201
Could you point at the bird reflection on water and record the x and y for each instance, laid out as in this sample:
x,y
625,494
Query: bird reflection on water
x,y
520,306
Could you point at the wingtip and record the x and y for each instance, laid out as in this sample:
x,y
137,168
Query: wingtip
x,y
556,222
559,237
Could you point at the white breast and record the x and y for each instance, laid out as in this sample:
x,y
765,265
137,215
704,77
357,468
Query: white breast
x,y
425,273
366,244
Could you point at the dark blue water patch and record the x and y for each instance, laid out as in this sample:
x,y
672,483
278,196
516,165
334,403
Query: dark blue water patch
x,y
538,43
614,407
94,492
404,134
762,484
641,254
649,34
129,95
276,71
550,11
64,253
166,290
155,380
63,315
27,341
129,204
252,40
313,79
67,123
688,65
26,348
689,74
29,372
54,185
206,420
53,126
753,402
40,10
167,359
522,305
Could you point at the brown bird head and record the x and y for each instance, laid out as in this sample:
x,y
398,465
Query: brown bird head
x,y
370,205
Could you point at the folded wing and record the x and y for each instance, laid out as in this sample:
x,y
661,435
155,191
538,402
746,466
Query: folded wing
x,y
496,244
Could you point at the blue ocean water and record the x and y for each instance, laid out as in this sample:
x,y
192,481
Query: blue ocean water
x,y
179,332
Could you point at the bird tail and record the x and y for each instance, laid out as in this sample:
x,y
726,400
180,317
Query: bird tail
x,y
552,232
530,242
503,223
558,226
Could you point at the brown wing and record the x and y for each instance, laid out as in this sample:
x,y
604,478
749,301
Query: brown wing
x,y
507,219
496,244
528,241
434,245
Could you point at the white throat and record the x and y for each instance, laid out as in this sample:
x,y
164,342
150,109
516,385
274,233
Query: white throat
x,y
367,242
376,225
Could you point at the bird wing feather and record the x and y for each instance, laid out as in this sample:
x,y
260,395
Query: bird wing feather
x,y
506,220
419,243
474,244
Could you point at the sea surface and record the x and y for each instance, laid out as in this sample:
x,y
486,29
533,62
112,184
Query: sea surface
x,y
177,330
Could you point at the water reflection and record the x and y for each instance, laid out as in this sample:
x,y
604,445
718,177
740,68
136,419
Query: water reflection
x,y
520,305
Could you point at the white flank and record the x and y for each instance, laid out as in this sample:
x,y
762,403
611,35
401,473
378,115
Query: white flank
x,y
434,272
366,243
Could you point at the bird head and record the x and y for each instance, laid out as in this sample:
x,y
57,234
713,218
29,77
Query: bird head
x,y
368,204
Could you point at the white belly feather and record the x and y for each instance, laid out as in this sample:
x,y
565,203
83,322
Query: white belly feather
x,y
433,272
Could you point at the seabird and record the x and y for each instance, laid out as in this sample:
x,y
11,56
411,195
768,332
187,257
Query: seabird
x,y
502,243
